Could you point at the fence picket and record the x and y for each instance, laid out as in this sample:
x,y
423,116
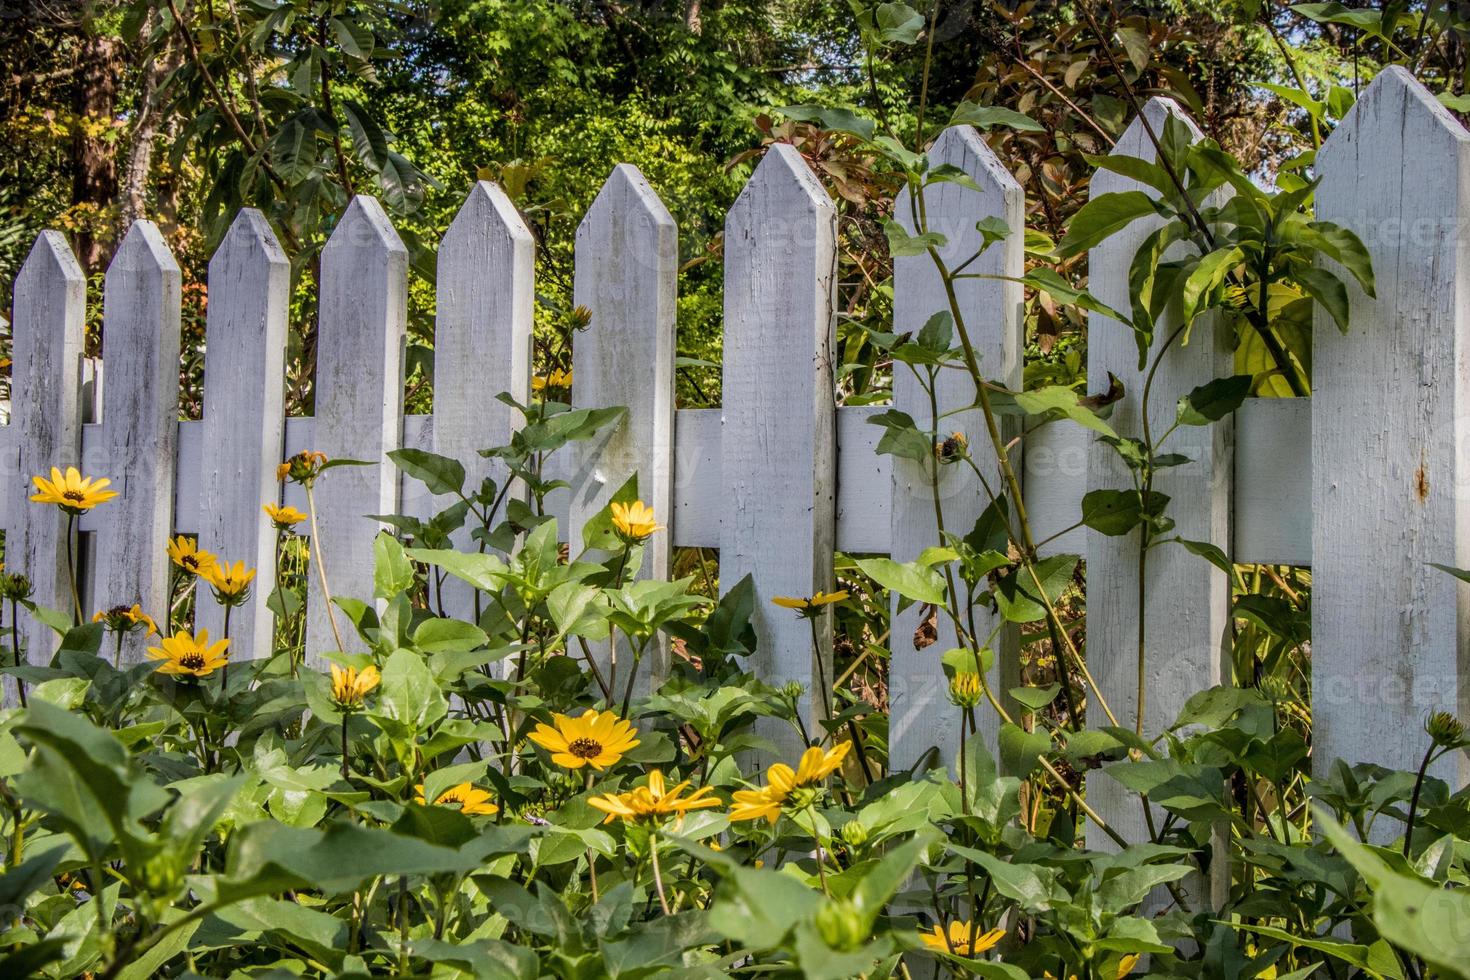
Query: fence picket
x,y
1391,436
140,412
1188,599
920,716
778,438
482,347
46,420
627,266
244,425
359,405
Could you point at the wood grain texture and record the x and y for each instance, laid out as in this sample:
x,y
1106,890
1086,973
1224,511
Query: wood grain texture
x,y
627,267
779,439
1188,600
359,404
482,343
45,422
1391,436
140,413
244,427
921,716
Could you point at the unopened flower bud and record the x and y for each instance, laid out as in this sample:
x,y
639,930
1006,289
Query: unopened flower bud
x,y
840,925
1446,730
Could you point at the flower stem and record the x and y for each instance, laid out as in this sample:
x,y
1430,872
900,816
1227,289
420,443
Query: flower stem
x,y
1414,800
344,747
658,879
321,570
20,684
71,569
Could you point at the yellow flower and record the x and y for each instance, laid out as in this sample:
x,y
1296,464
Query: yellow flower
x,y
653,802
121,619
1125,967
302,468
595,739
634,521
957,941
73,493
183,655
815,602
283,517
781,781
185,553
229,581
349,686
554,379
471,799
964,689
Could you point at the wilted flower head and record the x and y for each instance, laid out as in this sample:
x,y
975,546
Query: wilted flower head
x,y
303,468
952,449
125,619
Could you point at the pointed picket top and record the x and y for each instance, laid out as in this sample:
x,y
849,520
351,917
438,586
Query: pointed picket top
x,y
782,173
1135,142
51,260
963,147
365,225
249,241
1390,108
487,212
143,250
625,191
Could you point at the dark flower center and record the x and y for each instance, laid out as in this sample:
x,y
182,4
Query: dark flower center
x,y
585,748
192,661
76,495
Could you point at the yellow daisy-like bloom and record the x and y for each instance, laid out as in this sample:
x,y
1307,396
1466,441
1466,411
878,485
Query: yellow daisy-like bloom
x,y
72,492
816,764
471,799
957,941
121,619
815,602
284,518
653,802
350,686
634,521
553,379
229,581
184,552
185,656
597,739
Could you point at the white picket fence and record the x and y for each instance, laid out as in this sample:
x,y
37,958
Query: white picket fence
x,y
1366,482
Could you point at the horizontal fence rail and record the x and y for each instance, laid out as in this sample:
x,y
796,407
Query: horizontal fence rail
x,y
1368,481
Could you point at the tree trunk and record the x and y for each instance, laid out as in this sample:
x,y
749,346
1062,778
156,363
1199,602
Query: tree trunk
x,y
94,158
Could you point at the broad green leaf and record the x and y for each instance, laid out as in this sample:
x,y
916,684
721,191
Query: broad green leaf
x,y
1213,401
990,116
440,474
911,580
1104,215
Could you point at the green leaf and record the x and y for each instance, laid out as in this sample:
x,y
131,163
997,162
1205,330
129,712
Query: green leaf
x,y
1213,401
1036,698
440,474
448,636
839,119
368,139
1103,216
1020,750
1206,279
990,116
392,571
1116,512
1065,402
901,243
1017,597
1034,886
911,580
1327,290
1050,282
409,694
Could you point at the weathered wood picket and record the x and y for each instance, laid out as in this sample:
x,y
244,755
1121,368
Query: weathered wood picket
x,y
1368,481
